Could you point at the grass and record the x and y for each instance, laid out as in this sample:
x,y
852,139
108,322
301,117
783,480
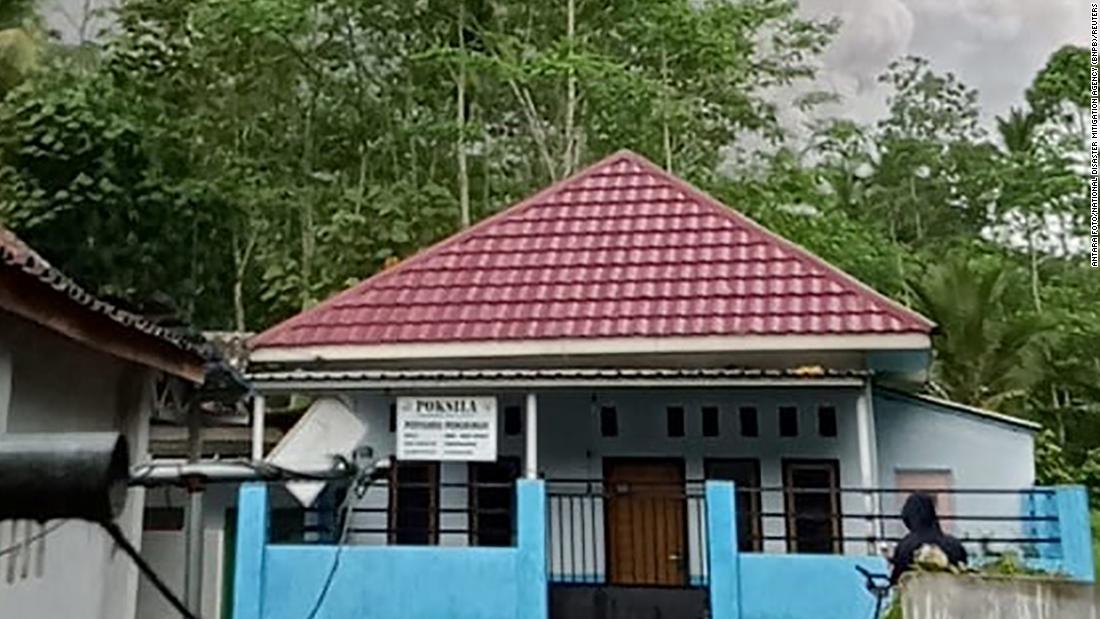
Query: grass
x,y
1096,538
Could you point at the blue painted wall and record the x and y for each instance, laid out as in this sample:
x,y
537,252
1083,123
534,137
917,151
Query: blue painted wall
x,y
391,582
792,586
779,586
805,586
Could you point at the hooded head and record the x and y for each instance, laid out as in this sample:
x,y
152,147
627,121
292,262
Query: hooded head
x,y
919,513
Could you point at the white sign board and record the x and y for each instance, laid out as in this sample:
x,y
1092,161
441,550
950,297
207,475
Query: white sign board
x,y
447,428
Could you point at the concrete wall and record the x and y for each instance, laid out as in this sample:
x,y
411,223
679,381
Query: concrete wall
x,y
772,586
943,596
51,384
779,586
805,586
275,582
166,552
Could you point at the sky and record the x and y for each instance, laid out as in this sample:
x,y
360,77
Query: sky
x,y
995,46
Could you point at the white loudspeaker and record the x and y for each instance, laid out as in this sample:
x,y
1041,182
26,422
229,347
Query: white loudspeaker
x,y
329,428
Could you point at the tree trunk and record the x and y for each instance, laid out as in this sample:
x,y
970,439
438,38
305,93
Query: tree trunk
x,y
460,116
569,158
666,133
1034,258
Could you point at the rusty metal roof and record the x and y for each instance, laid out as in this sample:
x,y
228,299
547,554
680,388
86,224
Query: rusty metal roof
x,y
16,254
622,249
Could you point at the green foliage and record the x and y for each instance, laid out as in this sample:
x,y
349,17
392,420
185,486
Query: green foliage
x,y
266,153
18,57
1064,79
1051,467
1095,537
79,184
16,13
240,160
986,341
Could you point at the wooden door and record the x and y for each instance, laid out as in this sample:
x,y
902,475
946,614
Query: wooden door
x,y
645,522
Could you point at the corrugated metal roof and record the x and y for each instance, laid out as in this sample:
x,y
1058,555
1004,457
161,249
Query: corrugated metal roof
x,y
14,253
622,249
551,378
957,407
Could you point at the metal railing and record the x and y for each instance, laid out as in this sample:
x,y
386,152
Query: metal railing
x,y
989,522
631,533
409,513
655,534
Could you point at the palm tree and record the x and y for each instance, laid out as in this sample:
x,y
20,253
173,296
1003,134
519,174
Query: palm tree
x,y
985,355
1023,181
1018,130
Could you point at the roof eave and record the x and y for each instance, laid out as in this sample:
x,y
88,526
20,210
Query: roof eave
x,y
28,297
591,346
421,381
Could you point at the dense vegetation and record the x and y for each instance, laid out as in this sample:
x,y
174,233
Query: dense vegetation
x,y
234,161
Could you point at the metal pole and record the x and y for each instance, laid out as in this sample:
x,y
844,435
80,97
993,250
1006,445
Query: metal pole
x,y
258,412
531,454
157,474
192,574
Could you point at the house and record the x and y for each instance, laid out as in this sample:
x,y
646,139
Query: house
x,y
618,398
70,362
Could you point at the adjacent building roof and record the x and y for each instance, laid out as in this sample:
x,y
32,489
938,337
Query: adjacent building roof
x,y
32,288
622,250
963,409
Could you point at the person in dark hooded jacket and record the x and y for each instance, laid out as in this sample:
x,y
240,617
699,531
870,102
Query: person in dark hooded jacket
x,y
919,516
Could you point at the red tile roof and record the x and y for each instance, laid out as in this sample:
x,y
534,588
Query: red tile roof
x,y
622,249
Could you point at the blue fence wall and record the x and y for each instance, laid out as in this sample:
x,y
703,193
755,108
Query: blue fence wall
x,y
790,586
1068,506
384,582
391,582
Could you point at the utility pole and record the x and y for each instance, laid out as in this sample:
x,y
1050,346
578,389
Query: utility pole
x,y
192,574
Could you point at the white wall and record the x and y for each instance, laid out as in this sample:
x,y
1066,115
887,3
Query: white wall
x,y
166,551
911,436
976,452
571,446
58,385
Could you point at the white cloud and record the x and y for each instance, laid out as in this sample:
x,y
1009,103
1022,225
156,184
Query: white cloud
x,y
996,46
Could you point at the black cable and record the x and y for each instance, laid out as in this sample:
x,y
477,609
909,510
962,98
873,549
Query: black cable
x,y
355,492
120,538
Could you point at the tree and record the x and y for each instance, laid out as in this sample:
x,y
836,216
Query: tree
x,y
305,144
986,346
1063,80
20,40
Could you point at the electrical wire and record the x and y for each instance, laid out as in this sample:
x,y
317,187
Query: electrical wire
x,y
120,538
34,538
356,492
